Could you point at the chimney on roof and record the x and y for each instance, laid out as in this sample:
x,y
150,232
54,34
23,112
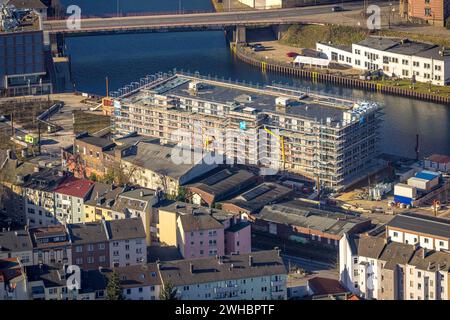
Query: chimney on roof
x,y
424,253
191,266
250,261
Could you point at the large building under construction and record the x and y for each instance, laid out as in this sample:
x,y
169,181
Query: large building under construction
x,y
323,138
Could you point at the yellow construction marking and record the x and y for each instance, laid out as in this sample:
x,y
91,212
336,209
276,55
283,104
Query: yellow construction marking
x,y
281,138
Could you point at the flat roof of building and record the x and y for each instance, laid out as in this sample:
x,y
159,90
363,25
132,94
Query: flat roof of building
x,y
295,213
434,226
213,269
245,98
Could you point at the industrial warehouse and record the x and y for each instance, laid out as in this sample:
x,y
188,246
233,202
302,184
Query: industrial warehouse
x,y
323,138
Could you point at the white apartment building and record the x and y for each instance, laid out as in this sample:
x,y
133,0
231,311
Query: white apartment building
x,y
426,231
395,57
69,199
257,276
127,242
377,268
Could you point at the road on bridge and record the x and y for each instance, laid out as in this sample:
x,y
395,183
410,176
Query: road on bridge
x,y
214,20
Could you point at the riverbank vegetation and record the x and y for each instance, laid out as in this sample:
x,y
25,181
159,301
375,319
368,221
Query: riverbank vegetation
x,y
306,36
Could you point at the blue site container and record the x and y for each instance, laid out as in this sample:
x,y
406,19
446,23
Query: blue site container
x,y
404,200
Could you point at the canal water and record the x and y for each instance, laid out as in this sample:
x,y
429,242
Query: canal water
x,y
127,58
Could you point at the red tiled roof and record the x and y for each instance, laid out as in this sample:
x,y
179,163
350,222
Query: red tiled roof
x,y
439,158
324,286
75,187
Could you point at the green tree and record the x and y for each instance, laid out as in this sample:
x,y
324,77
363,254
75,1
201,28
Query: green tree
x,y
168,292
113,289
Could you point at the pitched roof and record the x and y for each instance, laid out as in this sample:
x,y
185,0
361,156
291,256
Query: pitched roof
x,y
295,213
224,183
433,226
125,229
255,199
265,263
15,241
197,222
158,158
75,187
83,233
325,286
136,275
431,260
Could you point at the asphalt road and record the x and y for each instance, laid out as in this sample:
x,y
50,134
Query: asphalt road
x,y
291,15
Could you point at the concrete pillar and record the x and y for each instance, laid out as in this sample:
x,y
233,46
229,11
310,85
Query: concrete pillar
x,y
240,34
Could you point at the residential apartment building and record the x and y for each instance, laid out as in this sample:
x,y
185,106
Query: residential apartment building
x,y
378,268
395,57
139,203
89,245
257,276
127,242
50,282
322,137
69,199
428,232
39,196
16,244
13,284
23,70
201,232
51,245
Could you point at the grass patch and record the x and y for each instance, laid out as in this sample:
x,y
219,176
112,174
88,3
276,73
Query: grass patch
x,y
306,36
89,122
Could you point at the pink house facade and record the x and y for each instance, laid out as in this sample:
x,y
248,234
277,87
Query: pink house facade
x,y
203,232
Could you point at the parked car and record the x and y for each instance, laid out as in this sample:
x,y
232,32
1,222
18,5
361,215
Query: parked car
x,y
337,9
292,54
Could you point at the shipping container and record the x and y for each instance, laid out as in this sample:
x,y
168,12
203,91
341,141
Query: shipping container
x,y
405,190
404,200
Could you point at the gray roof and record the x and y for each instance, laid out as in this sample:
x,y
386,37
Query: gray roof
x,y
15,241
96,141
422,223
256,198
138,199
396,253
197,222
183,208
157,158
431,260
379,43
125,229
295,213
84,233
224,183
136,276
265,263
436,53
